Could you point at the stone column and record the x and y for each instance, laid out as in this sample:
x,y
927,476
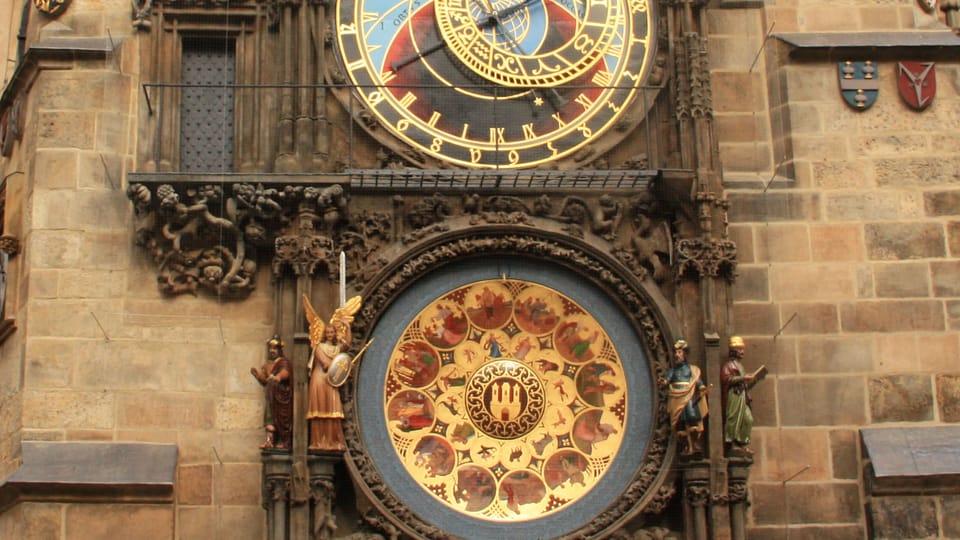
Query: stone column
x,y
739,472
322,494
696,498
276,493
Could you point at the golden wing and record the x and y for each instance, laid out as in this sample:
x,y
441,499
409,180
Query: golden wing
x,y
317,326
343,316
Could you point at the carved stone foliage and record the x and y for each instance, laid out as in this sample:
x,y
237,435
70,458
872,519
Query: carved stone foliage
x,y
697,258
645,487
206,237
211,237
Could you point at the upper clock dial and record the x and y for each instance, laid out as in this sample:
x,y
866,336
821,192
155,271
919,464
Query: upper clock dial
x,y
508,83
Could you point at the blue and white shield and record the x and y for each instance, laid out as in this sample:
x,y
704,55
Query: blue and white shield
x,y
859,83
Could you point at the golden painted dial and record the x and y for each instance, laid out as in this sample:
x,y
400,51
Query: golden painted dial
x,y
492,40
505,400
495,83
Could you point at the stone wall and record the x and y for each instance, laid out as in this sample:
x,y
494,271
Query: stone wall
x,y
101,355
849,256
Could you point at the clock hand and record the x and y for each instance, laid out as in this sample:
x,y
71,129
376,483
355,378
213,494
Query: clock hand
x,y
553,96
395,66
495,18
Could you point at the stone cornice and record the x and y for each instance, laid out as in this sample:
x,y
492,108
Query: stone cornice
x,y
92,472
54,48
915,45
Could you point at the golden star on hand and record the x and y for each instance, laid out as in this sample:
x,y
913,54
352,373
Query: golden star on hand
x,y
538,101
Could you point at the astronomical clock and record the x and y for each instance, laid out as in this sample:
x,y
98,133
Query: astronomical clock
x,y
508,392
524,193
502,84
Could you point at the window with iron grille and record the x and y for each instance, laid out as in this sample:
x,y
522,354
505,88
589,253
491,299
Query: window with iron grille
x,y
208,69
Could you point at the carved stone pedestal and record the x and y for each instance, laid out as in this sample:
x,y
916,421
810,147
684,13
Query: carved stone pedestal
x,y
284,494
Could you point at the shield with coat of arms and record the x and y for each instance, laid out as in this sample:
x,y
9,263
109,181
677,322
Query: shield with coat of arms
x,y
859,83
917,82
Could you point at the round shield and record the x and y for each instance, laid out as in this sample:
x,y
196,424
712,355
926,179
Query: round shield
x,y
339,370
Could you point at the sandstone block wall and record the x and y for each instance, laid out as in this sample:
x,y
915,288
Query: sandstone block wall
x,y
846,224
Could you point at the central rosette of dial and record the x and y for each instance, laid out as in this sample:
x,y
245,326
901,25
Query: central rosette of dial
x,y
505,399
528,43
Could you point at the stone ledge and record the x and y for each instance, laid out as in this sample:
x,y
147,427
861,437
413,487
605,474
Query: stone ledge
x,y
92,472
919,45
912,460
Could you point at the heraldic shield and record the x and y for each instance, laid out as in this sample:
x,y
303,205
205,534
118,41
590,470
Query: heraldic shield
x,y
917,82
858,83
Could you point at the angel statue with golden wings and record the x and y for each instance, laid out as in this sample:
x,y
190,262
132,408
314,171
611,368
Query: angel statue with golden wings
x,y
327,343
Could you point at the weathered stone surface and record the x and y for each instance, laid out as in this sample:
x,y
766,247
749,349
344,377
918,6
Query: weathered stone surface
x,y
99,170
901,280
918,172
164,410
953,314
242,522
739,127
806,532
756,318
196,447
779,355
73,249
903,517
851,354
126,365
863,206
891,316
898,241
827,401
67,409
833,503
842,174
88,435
238,483
70,129
730,91
239,413
953,238
809,318
842,242
864,277
112,131
946,277
812,282
941,203
41,521
196,522
844,453
892,144
194,484
742,236
46,365
773,206
783,243
746,157
789,451
901,398
145,522
764,405
950,513
751,284
240,446
56,169
948,397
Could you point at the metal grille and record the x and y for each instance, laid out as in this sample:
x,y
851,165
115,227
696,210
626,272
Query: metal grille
x,y
206,106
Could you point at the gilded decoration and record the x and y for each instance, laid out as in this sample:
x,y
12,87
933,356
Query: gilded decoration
x,y
505,400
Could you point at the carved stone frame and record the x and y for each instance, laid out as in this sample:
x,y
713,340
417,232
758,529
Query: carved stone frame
x,y
649,314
